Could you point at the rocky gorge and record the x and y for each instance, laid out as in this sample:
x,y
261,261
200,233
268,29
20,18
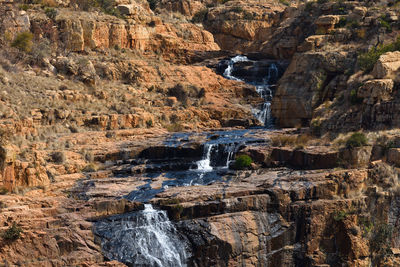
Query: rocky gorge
x,y
199,133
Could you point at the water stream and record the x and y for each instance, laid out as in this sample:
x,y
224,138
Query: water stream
x,y
148,237
263,85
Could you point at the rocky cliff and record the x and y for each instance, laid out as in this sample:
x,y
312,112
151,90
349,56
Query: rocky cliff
x,y
106,105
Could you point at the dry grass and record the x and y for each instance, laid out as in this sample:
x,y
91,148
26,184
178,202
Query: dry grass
x,y
298,141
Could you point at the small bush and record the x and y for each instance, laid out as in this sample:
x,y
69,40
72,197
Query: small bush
x,y
242,162
3,191
58,157
24,7
354,99
368,59
13,232
385,23
174,127
51,13
340,216
91,167
356,140
200,16
284,2
23,41
152,4
237,9
183,92
149,123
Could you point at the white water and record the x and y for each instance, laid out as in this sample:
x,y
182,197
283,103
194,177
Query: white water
x,y
146,239
264,90
204,165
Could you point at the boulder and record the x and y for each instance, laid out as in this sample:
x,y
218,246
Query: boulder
x,y
356,157
387,65
325,24
125,9
376,91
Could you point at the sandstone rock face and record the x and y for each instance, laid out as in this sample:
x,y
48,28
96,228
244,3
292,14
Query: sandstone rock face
x,y
185,7
80,30
387,65
304,86
243,26
376,91
326,23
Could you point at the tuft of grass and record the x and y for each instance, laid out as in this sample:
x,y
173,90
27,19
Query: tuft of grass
x,y
356,140
290,140
23,41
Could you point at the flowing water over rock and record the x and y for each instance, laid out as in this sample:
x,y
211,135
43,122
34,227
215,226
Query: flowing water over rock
x,y
263,75
144,238
148,238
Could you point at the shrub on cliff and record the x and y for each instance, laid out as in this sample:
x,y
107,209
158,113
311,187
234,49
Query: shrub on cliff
x,y
152,4
200,16
368,59
23,41
13,232
356,140
183,92
242,162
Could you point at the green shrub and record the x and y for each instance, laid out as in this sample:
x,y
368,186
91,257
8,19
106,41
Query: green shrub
x,y
354,99
58,156
248,15
149,123
13,232
284,2
242,162
23,41
340,216
385,23
152,4
200,16
51,13
183,92
342,23
107,6
368,59
174,127
356,140
237,9
24,7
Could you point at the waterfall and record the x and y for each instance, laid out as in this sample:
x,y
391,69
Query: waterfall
x,y
216,155
228,71
263,114
144,238
204,165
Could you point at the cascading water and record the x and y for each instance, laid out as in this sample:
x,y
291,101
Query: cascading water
x,y
144,238
216,155
204,165
263,114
